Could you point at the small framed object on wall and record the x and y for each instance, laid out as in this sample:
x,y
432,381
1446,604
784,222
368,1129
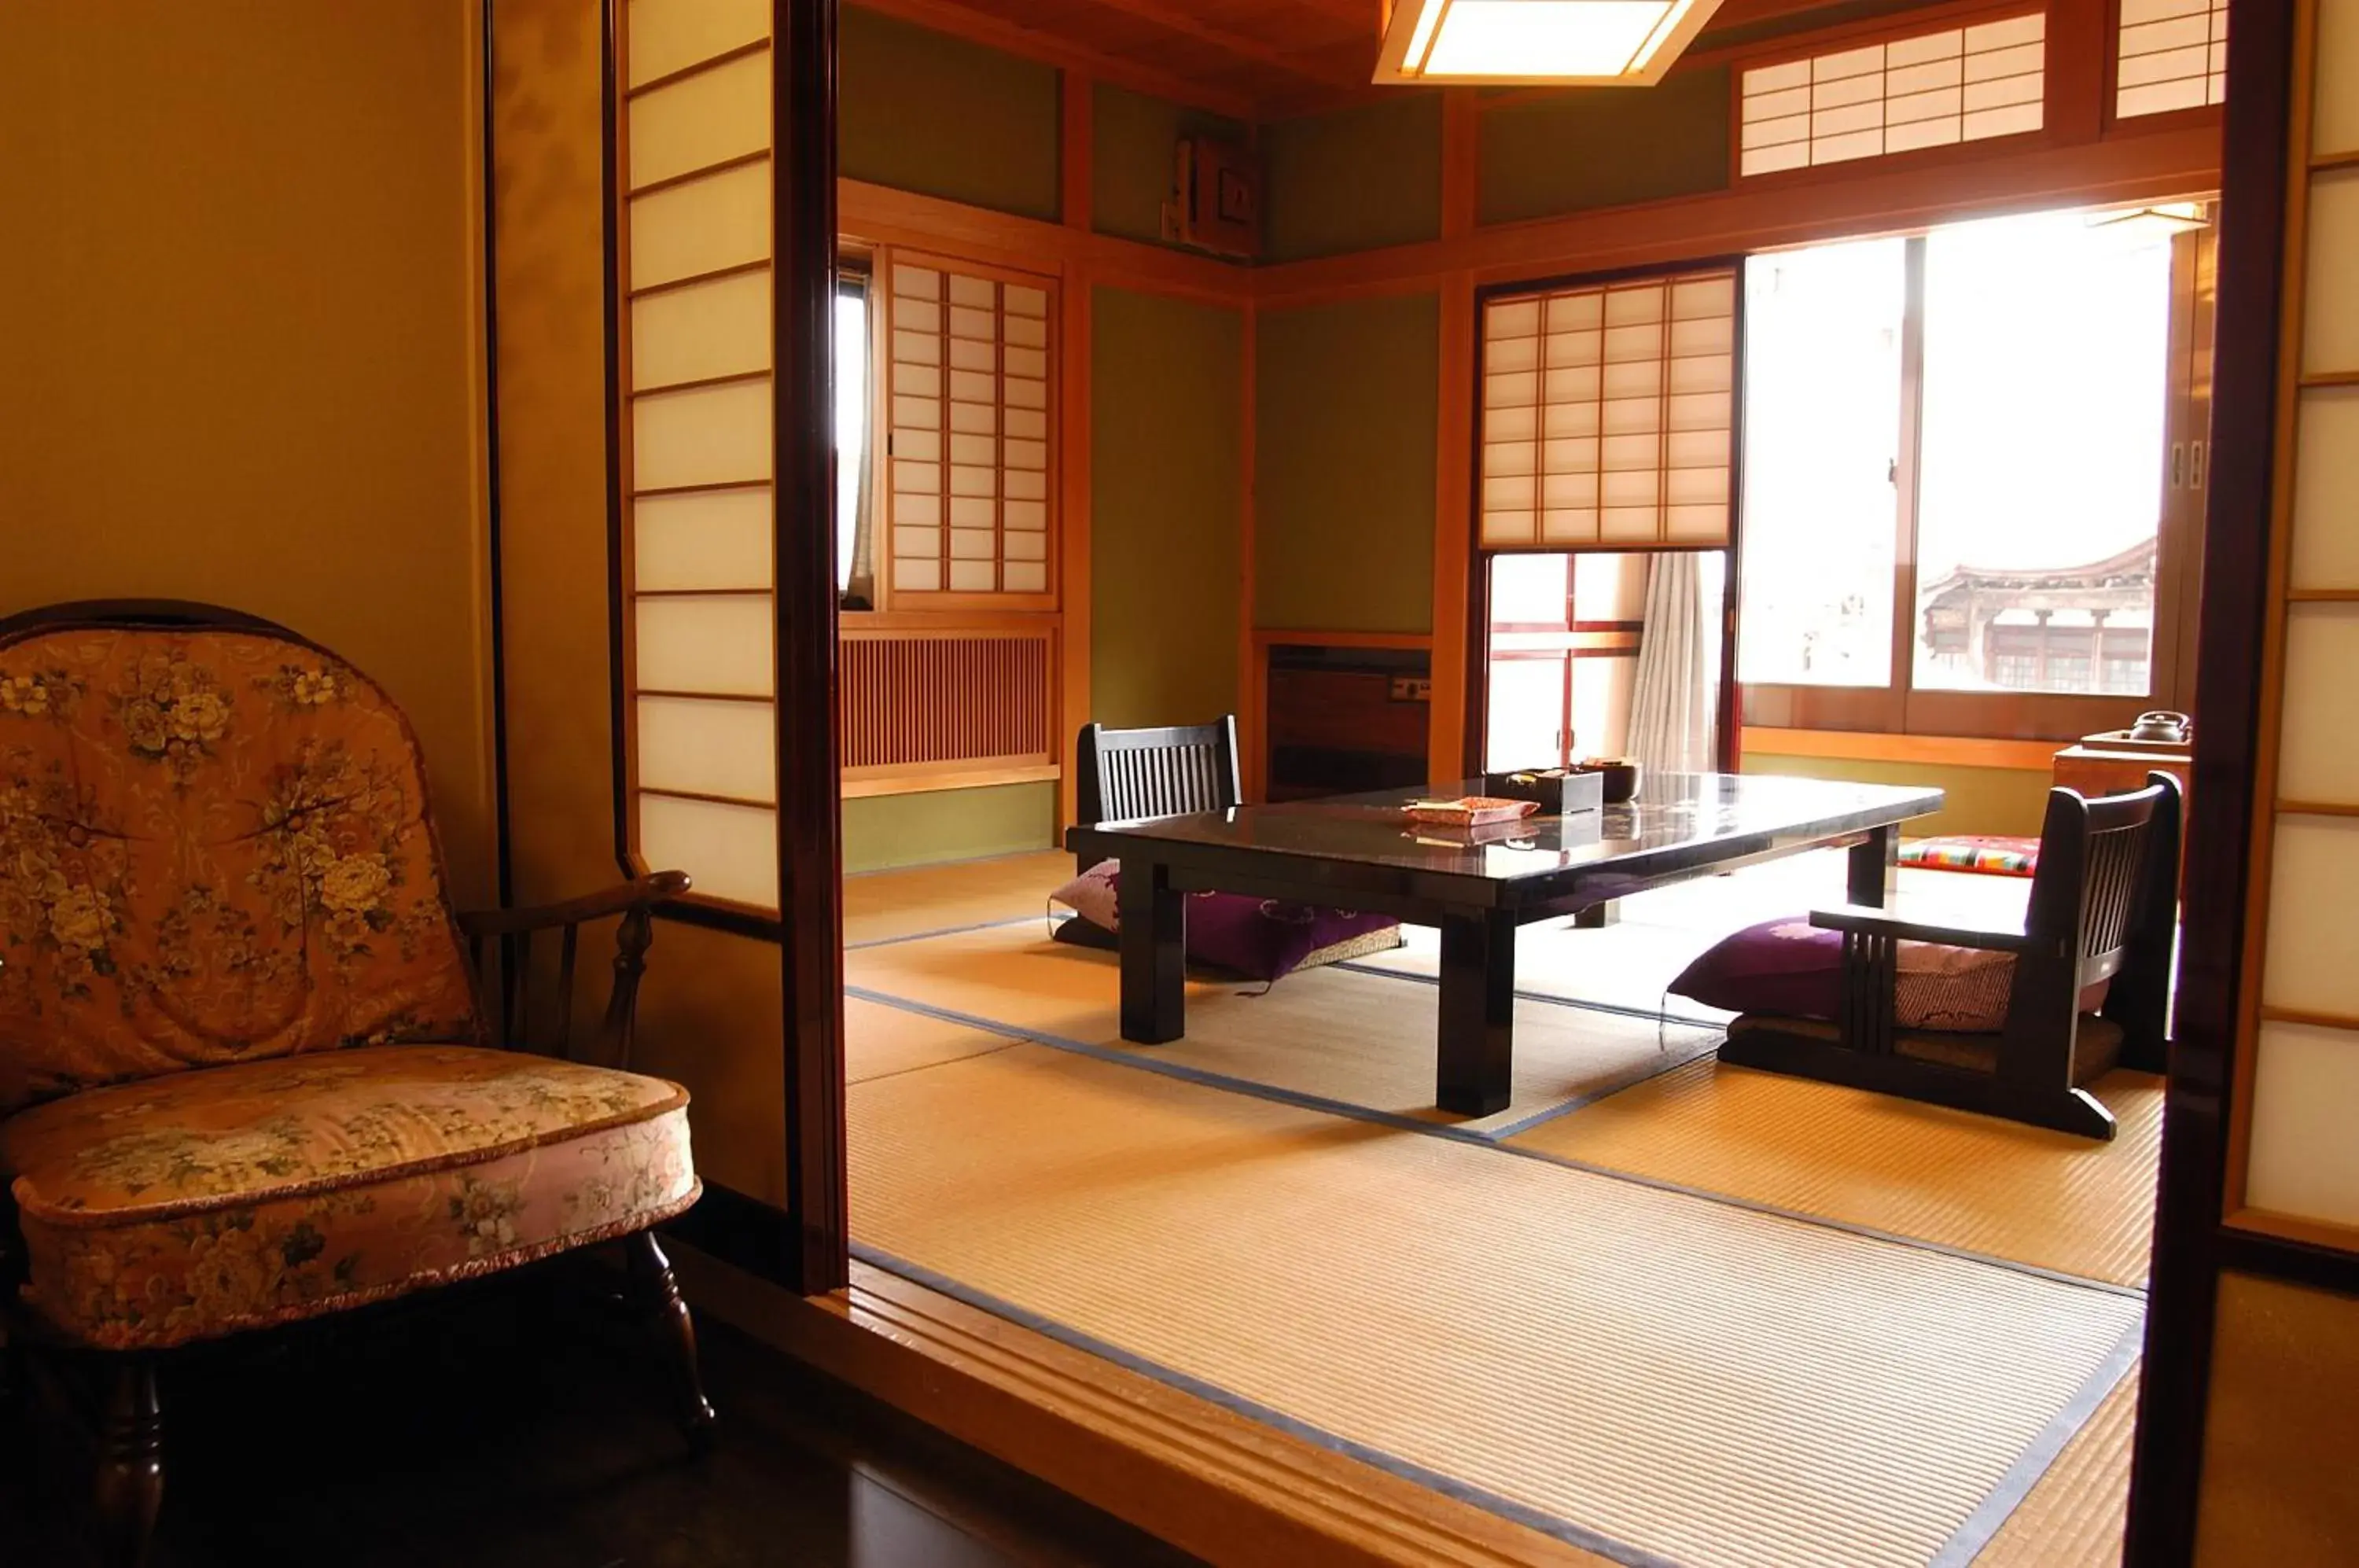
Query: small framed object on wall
x,y
1216,198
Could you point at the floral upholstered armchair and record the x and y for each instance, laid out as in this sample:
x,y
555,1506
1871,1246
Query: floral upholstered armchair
x,y
246,1074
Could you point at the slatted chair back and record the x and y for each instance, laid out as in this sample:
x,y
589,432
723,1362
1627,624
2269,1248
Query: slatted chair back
x,y
1127,775
2104,904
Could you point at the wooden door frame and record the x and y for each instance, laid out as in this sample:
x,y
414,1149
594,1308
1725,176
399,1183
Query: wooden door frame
x,y
2193,1247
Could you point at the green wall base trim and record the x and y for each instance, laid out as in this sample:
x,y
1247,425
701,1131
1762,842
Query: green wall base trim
x,y
1980,799
881,832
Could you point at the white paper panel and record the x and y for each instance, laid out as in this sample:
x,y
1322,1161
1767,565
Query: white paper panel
x,y
709,747
2335,110
714,435
2330,324
699,644
701,226
720,538
2326,479
667,35
2317,745
700,120
706,329
731,851
2313,963
2303,1157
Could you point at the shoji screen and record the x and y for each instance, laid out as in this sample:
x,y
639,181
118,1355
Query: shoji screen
x,y
969,390
699,442
2171,54
1959,84
1608,413
2302,1159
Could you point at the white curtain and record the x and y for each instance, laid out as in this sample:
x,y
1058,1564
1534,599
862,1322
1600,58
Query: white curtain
x,y
1671,702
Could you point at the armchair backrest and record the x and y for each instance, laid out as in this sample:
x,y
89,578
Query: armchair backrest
x,y
1129,774
2105,900
214,847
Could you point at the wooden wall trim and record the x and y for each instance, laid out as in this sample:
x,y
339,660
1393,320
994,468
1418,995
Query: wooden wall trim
x,y
2176,160
1212,1482
1253,686
1456,592
1941,751
811,830
885,215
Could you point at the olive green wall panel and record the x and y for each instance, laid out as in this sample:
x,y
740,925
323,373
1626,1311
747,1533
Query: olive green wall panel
x,y
1133,140
1604,147
921,111
1346,407
885,830
1979,799
1356,179
1166,491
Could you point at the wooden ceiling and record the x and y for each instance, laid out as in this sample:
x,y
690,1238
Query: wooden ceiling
x,y
1251,59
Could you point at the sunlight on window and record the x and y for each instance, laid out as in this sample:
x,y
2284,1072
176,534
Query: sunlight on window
x,y
1822,433
2046,349
851,426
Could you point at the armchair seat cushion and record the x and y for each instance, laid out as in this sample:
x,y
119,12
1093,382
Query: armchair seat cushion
x,y
203,1203
1792,967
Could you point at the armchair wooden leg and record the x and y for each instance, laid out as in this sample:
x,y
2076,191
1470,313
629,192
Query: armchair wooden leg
x,y
657,1294
130,1482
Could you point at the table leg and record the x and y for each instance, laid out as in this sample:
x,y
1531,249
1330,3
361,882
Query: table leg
x,y
1478,1012
1876,867
1154,953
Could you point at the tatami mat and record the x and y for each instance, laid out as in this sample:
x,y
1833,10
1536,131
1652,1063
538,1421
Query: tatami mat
x,y
2075,1516
1974,1182
1651,1374
885,906
1361,1040
879,1041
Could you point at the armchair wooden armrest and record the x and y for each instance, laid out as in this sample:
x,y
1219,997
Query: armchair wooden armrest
x,y
1864,920
634,901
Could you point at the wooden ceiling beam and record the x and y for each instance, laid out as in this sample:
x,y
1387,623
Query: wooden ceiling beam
x,y
1033,43
1164,15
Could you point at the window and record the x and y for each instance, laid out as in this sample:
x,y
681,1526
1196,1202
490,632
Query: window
x,y
1606,413
970,391
854,573
2171,54
1967,474
1959,84
1823,331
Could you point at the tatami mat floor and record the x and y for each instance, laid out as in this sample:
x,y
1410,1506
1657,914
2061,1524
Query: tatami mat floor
x,y
1709,1315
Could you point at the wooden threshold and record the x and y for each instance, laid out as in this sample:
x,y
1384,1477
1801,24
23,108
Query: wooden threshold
x,y
1206,1479
891,779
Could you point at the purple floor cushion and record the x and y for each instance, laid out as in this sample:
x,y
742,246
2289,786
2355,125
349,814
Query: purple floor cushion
x,y
1793,968
1260,938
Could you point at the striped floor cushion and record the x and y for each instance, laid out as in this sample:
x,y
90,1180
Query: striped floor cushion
x,y
1993,855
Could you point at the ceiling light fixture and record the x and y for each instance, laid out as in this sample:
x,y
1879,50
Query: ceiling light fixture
x,y
1627,43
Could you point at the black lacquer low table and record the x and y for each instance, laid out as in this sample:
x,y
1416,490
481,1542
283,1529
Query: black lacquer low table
x,y
1359,851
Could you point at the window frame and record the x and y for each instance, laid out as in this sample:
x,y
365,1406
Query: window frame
x,y
1900,707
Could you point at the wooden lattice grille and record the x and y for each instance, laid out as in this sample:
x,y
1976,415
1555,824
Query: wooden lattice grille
x,y
1934,89
919,699
969,390
1608,413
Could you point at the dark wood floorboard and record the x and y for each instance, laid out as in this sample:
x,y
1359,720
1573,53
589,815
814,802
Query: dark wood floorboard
x,y
522,1426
